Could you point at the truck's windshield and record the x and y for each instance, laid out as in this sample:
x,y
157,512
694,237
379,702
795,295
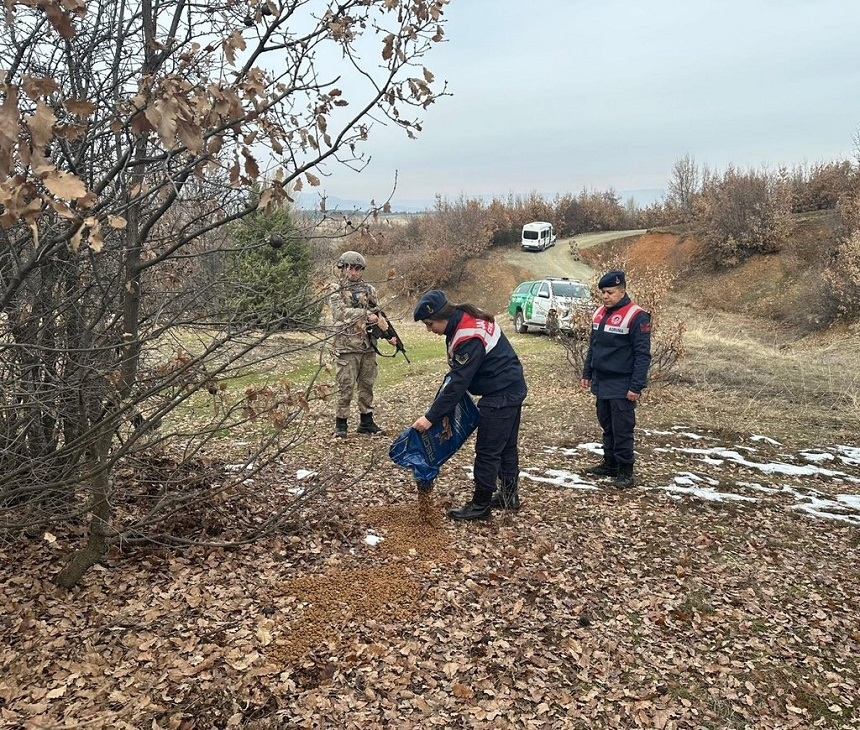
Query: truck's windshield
x,y
569,289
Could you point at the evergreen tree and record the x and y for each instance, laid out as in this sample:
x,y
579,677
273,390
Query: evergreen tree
x,y
272,269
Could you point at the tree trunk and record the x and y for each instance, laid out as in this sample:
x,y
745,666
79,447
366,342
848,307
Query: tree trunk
x,y
102,513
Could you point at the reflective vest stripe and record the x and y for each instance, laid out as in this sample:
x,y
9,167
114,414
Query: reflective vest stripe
x,y
470,327
618,322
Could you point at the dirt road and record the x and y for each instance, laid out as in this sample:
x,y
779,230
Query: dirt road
x,y
491,278
557,261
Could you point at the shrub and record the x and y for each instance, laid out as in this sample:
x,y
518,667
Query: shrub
x,y
821,186
432,250
743,213
842,278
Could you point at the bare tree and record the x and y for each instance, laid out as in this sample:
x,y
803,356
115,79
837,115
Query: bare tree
x,y
684,185
130,134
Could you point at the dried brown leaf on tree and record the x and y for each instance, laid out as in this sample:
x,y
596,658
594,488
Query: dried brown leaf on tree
x,y
81,107
38,86
65,185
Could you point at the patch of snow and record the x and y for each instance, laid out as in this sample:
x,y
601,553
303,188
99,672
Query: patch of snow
x,y
769,468
709,494
816,456
560,450
593,448
239,467
697,478
822,508
305,474
755,486
766,439
560,478
373,540
798,494
849,454
852,500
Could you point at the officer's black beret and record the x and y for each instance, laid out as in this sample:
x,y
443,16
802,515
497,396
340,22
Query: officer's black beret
x,y
612,278
429,305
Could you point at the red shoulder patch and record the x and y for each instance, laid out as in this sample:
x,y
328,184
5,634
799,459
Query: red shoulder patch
x,y
645,327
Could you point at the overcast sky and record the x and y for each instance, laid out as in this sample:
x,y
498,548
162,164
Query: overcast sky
x,y
551,96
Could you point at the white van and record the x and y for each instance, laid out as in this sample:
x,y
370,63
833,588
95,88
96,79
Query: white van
x,y
538,236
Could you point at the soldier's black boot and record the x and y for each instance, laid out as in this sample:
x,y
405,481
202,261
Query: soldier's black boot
x,y
606,468
367,425
478,509
624,480
340,427
506,496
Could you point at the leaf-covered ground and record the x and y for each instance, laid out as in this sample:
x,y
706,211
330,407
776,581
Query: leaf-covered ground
x,y
722,592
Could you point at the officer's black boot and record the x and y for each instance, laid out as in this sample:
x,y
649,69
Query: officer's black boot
x,y
478,509
367,425
506,496
606,468
624,480
340,427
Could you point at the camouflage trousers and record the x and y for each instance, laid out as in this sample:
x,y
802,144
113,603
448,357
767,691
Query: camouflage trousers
x,y
355,369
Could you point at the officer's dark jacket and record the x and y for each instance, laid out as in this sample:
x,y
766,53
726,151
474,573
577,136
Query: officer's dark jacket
x,y
482,362
619,353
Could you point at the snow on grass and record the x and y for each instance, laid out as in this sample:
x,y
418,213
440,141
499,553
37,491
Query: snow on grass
x,y
816,456
558,477
844,507
766,439
709,494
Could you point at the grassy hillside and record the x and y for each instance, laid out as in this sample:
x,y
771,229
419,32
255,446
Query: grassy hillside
x,y
784,288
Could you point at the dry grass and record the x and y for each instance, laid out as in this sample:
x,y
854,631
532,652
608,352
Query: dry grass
x,y
739,371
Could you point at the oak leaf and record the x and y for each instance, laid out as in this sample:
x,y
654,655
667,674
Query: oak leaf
x,y
80,107
65,185
463,692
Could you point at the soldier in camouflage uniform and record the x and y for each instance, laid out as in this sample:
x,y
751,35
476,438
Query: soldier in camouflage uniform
x,y
354,305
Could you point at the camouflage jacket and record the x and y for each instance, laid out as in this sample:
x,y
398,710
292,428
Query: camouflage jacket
x,y
350,303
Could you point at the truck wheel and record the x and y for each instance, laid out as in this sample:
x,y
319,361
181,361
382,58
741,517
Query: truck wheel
x,y
520,323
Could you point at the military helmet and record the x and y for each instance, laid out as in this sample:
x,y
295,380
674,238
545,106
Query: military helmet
x,y
351,258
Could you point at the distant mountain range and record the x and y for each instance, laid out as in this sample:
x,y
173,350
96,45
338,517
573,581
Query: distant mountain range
x,y
643,198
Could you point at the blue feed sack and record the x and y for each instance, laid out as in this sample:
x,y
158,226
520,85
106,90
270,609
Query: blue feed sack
x,y
425,452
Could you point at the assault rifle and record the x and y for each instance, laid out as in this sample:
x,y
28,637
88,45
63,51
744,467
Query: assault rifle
x,y
382,329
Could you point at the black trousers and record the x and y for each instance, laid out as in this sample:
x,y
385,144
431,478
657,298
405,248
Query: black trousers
x,y
496,453
617,418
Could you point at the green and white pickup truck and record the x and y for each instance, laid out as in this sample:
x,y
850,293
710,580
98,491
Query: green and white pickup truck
x,y
536,304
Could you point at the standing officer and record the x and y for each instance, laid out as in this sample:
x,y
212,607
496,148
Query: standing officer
x,y
482,362
353,306
616,370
